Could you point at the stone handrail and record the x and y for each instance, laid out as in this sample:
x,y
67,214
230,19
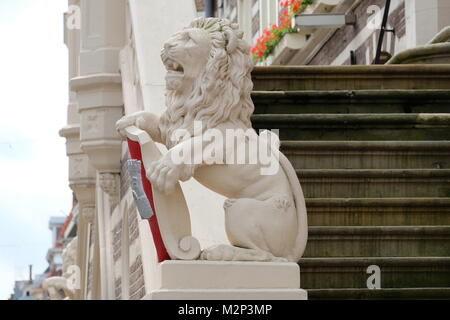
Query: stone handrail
x,y
436,51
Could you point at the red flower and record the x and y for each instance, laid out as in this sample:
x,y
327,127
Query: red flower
x,y
270,37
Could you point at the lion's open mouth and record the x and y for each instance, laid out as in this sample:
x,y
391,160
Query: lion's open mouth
x,y
173,67
175,73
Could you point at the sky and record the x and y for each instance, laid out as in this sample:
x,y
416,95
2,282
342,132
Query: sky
x,y
33,105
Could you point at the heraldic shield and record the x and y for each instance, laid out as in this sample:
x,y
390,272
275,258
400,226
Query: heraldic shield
x,y
168,215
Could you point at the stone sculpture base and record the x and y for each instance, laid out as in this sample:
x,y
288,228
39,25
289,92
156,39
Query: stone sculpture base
x,y
210,280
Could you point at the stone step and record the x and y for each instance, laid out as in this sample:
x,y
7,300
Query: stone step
x,y
385,294
368,154
378,211
374,183
410,77
378,241
361,127
351,101
395,272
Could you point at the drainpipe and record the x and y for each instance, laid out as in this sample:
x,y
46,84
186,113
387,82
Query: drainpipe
x,y
210,8
382,31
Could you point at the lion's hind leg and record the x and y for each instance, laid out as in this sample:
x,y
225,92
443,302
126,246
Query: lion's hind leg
x,y
244,219
225,252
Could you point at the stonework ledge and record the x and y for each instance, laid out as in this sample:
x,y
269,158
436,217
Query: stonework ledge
x,y
228,275
70,131
213,280
84,82
437,51
287,48
104,154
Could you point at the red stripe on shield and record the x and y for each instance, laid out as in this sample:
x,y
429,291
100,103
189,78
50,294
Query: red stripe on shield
x,y
136,154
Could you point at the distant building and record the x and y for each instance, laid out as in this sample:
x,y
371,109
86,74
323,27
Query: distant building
x,y
63,230
54,254
23,289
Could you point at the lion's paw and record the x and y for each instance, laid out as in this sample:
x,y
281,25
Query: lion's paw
x,y
127,121
163,175
225,252
282,202
143,120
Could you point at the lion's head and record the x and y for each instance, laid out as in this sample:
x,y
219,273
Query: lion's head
x,y
208,77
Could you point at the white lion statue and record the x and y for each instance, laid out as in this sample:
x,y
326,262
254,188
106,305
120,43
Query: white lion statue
x,y
208,81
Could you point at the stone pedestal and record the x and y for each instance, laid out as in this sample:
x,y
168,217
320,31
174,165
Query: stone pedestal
x,y
210,280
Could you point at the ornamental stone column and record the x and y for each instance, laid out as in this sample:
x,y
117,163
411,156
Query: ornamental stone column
x,y
86,198
82,182
98,87
82,175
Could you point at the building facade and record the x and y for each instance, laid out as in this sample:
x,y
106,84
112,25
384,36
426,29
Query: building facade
x,y
63,230
413,22
115,69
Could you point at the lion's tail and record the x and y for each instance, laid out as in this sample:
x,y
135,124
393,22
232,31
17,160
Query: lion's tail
x,y
302,219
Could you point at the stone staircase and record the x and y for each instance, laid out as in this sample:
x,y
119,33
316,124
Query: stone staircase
x,y
371,146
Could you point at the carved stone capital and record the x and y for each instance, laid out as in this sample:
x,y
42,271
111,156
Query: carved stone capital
x,y
100,106
88,214
109,182
84,191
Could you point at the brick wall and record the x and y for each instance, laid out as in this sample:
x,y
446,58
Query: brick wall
x,y
365,52
255,19
336,50
227,9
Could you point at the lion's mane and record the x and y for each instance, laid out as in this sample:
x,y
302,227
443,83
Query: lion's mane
x,y
222,93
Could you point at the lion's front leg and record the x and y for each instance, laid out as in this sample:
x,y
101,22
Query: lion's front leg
x,y
164,174
144,120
